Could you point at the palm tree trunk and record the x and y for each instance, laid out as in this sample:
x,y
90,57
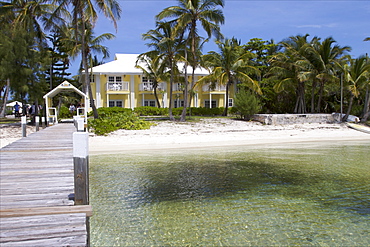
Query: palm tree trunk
x,y
300,103
171,91
6,93
313,97
366,110
183,114
320,97
191,89
86,67
227,99
156,95
349,108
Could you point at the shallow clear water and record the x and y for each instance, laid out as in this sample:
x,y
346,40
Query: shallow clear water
x,y
311,194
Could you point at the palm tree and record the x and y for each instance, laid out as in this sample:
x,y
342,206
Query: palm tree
x,y
357,75
186,16
229,67
323,57
24,23
166,45
33,16
93,45
288,69
154,69
84,12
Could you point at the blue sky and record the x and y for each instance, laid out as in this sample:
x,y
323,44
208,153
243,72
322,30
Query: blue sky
x,y
348,22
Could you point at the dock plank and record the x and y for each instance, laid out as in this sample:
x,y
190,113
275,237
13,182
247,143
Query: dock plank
x,y
36,178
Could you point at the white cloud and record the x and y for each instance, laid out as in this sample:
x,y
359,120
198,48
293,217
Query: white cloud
x,y
330,25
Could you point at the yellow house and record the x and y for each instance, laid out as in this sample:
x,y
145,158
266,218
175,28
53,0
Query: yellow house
x,y
120,83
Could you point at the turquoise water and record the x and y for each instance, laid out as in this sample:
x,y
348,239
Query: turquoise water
x,y
308,194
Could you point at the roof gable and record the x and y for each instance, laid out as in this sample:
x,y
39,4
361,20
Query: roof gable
x,y
125,64
63,86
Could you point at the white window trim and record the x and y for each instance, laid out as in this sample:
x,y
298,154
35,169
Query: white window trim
x,y
115,78
115,103
210,103
149,102
231,102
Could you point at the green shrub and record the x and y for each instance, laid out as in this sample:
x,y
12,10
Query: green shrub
x,y
9,112
64,112
150,111
177,111
246,104
111,121
107,111
205,111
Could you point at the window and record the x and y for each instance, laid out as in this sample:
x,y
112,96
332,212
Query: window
x,y
146,79
207,105
117,103
178,103
147,86
231,102
92,78
178,87
115,79
149,103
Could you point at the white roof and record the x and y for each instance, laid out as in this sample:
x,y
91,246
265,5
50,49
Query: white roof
x,y
63,86
13,103
125,64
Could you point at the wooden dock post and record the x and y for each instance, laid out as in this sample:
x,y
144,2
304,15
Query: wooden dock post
x,y
24,126
81,167
81,173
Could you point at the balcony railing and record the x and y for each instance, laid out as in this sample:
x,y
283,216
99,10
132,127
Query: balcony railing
x,y
217,88
117,86
149,86
178,87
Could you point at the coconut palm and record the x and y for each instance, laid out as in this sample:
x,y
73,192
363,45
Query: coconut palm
x,y
84,12
153,68
229,67
357,75
93,45
288,69
34,16
166,45
324,57
187,15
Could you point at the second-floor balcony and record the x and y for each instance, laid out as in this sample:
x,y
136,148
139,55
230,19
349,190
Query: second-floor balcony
x,y
178,87
148,86
217,88
117,86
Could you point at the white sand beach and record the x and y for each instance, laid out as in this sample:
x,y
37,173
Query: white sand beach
x,y
207,132
11,132
217,132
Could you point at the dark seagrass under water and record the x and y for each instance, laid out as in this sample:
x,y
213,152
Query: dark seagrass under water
x,y
303,194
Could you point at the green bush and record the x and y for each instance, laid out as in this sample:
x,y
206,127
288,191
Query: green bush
x,y
150,111
155,111
205,111
108,111
246,104
64,112
111,121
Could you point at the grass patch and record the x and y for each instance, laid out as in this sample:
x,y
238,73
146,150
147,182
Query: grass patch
x,y
9,121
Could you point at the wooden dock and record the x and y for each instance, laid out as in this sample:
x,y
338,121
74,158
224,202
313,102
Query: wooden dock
x,y
36,179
